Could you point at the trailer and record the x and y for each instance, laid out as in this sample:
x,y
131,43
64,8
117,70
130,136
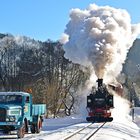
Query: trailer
x,y
18,113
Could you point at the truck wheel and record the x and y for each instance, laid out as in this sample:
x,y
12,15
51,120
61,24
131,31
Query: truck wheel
x,y
21,131
38,125
32,128
26,126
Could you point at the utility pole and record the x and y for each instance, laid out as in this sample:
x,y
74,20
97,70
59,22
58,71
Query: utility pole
x,y
133,111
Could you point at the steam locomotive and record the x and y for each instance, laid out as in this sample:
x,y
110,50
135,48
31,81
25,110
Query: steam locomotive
x,y
99,103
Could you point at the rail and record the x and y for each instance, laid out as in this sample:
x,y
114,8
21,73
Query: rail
x,y
94,132
88,135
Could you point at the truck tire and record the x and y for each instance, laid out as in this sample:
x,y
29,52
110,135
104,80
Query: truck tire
x,y
21,131
32,128
38,125
26,125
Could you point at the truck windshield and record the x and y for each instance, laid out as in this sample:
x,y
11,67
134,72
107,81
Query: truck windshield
x,y
10,99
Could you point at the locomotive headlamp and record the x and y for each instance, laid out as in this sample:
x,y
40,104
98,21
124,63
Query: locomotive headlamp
x,y
89,100
108,111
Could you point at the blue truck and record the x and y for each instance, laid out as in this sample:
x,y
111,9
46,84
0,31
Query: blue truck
x,y
18,113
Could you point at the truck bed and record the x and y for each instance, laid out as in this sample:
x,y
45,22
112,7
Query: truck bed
x,y
39,109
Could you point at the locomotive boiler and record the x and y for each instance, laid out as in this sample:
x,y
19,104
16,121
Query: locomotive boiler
x,y
99,104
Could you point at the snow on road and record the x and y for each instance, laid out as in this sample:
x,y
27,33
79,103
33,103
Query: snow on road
x,y
57,129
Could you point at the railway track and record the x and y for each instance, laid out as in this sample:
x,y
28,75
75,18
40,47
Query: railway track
x,y
86,132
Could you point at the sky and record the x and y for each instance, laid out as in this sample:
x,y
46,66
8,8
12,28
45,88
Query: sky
x,y
47,19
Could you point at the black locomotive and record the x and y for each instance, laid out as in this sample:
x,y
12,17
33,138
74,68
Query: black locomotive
x,y
99,103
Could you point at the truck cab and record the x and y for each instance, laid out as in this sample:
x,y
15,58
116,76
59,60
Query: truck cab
x,y
18,113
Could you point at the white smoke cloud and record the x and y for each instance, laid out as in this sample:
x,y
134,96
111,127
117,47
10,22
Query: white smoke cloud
x,y
64,38
121,106
100,37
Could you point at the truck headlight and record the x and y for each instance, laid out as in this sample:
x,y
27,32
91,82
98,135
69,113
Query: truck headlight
x,y
10,119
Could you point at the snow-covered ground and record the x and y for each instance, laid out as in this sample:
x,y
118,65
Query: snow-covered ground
x,y
57,129
122,127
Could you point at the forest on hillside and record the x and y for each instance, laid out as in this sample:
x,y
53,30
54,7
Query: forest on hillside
x,y
131,73
41,69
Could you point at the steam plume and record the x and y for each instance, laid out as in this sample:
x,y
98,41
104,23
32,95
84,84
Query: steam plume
x,y
100,37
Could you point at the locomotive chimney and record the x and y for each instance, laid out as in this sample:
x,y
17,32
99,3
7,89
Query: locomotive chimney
x,y
100,83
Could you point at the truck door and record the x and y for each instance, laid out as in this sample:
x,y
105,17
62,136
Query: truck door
x,y
27,110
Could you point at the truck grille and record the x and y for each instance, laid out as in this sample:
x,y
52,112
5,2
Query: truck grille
x,y
2,115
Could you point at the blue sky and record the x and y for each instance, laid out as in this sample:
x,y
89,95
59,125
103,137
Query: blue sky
x,y
46,19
